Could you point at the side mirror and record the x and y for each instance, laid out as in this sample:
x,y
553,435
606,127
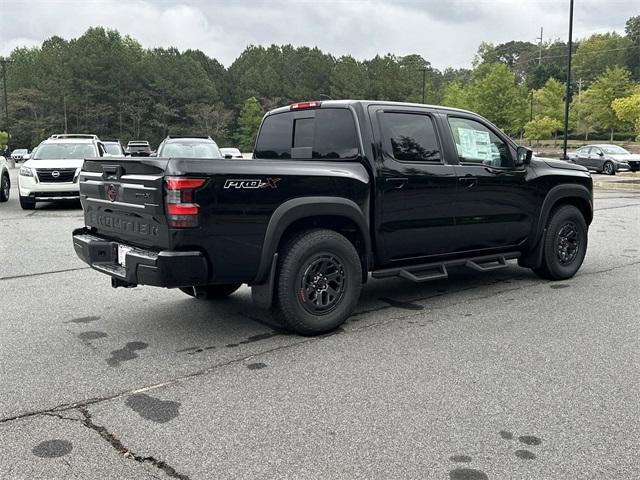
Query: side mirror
x,y
524,155
228,156
601,153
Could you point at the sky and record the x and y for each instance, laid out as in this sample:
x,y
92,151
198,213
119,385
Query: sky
x,y
445,32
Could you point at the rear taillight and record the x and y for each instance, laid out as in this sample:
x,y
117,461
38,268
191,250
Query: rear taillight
x,y
181,211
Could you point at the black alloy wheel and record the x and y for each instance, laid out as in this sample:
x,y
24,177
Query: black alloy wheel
x,y
322,284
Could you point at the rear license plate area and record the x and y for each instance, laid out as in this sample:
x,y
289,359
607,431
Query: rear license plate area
x,y
122,255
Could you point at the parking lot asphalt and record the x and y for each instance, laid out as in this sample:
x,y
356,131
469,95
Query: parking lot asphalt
x,y
482,376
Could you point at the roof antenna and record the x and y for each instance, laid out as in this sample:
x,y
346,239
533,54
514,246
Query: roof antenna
x,y
325,97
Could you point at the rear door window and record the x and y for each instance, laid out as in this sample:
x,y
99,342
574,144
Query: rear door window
x,y
321,134
412,137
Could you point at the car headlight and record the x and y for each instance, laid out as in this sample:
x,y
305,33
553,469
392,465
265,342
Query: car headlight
x,y
26,172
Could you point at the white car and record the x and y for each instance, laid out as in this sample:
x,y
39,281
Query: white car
x,y
19,154
231,153
5,180
52,171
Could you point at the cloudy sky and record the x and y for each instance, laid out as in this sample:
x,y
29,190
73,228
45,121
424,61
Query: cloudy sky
x,y
445,32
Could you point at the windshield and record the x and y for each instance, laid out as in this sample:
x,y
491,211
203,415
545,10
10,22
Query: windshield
x,y
20,151
191,150
615,150
113,148
65,151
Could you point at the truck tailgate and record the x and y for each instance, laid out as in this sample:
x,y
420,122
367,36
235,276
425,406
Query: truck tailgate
x,y
123,199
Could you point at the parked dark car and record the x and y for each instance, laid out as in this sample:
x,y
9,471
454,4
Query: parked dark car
x,y
336,191
138,148
188,147
604,158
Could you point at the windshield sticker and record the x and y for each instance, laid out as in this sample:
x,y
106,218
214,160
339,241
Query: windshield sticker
x,y
474,144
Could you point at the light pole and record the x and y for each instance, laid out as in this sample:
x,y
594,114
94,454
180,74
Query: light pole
x,y
424,79
4,62
568,92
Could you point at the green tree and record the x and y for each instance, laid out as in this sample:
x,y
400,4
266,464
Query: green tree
x,y
613,83
454,95
248,124
4,139
632,29
549,100
598,53
580,119
348,79
627,109
541,128
494,93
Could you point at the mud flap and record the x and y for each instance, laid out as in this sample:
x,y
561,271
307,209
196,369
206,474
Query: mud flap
x,y
262,295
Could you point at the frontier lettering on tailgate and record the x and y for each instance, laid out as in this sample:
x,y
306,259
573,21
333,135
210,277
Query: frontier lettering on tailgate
x,y
123,225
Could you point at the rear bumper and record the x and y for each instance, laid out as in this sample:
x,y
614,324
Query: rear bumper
x,y
142,267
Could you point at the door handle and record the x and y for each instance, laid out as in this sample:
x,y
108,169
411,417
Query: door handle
x,y
469,181
397,183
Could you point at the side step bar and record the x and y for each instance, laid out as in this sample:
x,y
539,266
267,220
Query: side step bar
x,y
438,270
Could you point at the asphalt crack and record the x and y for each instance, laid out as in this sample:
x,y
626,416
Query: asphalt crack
x,y
88,422
616,207
44,273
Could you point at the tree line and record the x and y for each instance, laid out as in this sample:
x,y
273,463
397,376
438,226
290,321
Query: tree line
x,y
108,84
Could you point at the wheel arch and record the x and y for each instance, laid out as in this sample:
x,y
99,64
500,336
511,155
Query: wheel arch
x,y
334,213
577,195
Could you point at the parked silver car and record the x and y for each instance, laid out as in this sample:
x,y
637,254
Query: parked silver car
x,y
605,158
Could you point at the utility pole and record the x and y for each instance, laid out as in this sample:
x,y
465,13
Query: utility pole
x,y
579,104
4,62
531,111
540,47
568,92
424,79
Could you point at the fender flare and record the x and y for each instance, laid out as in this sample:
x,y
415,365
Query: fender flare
x,y
306,207
533,257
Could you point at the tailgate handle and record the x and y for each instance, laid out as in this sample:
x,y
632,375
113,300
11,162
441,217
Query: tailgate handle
x,y
111,172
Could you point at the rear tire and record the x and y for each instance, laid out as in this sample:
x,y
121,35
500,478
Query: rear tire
x,y
5,188
564,244
211,292
27,203
319,281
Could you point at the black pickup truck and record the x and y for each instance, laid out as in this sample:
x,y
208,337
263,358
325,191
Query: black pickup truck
x,y
336,191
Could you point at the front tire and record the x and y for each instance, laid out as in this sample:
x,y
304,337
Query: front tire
x,y
5,188
27,203
564,244
319,281
211,292
608,168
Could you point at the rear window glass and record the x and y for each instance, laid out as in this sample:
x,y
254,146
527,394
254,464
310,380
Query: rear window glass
x,y
323,134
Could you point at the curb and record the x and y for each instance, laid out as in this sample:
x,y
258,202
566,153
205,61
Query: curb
x,y
617,185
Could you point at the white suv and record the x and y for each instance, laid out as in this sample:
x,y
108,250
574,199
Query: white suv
x,y
52,171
